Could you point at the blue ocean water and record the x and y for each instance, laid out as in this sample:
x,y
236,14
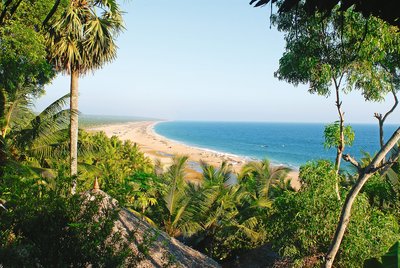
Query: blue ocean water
x,y
291,144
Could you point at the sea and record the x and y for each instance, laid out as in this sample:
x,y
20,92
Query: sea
x,y
290,144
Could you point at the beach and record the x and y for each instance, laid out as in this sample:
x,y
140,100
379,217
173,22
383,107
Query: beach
x,y
158,147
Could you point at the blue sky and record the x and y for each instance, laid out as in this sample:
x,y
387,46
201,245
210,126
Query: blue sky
x,y
203,60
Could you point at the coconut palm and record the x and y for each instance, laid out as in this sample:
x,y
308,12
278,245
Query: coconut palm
x,y
178,200
22,129
41,133
257,178
29,139
223,214
80,41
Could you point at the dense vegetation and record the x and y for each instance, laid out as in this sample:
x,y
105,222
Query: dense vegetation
x,y
41,219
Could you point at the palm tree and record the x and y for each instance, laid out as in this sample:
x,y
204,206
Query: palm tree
x,y
178,200
221,209
40,134
257,178
29,139
83,40
24,131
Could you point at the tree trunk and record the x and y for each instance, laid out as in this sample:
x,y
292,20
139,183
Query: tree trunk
x,y
364,175
7,117
381,120
3,156
2,112
74,129
340,148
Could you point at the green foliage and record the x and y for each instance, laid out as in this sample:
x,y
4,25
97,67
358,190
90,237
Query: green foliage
x,y
24,69
23,51
303,223
214,216
380,192
224,229
111,160
327,51
43,228
176,200
82,39
383,190
389,259
23,64
332,135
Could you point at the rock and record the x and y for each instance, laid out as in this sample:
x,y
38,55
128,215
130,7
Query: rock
x,y
162,250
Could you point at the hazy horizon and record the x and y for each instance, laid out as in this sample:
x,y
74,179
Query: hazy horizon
x,y
145,118
208,61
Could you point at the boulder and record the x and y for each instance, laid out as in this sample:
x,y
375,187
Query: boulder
x,y
161,250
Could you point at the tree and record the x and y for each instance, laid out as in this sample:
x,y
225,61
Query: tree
x,y
257,178
231,215
301,223
335,138
217,210
386,10
344,51
176,197
24,69
335,54
83,40
35,136
364,173
9,8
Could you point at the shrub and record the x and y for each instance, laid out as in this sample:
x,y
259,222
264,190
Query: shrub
x,y
302,224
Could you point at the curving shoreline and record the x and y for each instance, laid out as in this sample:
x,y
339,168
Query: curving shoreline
x,y
159,147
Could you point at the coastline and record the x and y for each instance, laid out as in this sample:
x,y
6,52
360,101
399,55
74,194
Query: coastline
x,y
156,146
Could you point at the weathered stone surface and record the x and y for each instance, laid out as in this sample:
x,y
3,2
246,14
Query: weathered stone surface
x,y
162,250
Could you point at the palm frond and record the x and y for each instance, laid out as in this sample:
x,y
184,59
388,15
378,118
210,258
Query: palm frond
x,y
55,107
139,215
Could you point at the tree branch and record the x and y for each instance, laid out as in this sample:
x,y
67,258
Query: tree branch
x,y
12,11
393,159
4,12
381,120
352,161
363,177
51,13
396,102
14,8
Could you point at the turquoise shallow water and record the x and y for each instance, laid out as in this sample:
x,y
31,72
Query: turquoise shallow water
x,y
290,144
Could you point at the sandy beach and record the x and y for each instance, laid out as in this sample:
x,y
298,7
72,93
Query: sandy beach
x,y
158,147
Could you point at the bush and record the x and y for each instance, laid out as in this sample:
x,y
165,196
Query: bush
x,y
302,224
54,231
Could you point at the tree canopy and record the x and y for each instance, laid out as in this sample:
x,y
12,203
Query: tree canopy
x,y
387,10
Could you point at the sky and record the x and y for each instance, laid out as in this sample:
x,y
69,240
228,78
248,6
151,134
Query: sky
x,y
209,60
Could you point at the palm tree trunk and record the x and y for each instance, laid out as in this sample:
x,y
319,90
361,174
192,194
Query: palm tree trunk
x,y
74,129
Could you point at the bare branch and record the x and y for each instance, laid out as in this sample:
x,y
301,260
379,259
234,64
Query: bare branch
x,y
378,116
352,161
381,119
396,102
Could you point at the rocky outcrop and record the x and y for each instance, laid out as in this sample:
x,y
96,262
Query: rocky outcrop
x,y
161,250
